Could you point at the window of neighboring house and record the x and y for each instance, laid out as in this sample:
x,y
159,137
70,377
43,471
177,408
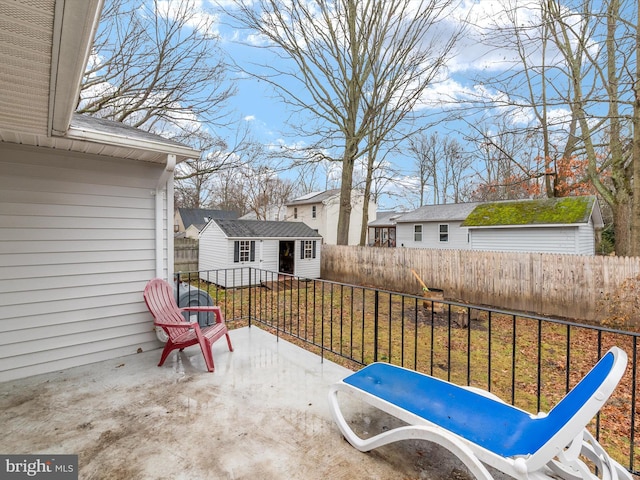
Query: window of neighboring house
x,y
244,251
313,211
307,249
295,212
444,233
417,233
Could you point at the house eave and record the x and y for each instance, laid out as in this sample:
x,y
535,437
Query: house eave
x,y
120,141
74,27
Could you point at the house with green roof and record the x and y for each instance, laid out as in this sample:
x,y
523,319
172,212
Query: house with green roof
x,y
566,225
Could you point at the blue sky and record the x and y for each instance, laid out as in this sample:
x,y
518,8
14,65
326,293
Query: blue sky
x,y
258,106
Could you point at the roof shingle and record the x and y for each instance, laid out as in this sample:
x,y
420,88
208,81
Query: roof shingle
x,y
265,229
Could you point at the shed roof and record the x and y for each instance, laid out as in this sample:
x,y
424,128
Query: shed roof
x,y
265,229
439,213
544,211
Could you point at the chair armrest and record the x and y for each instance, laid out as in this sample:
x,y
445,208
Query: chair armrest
x,y
177,325
210,308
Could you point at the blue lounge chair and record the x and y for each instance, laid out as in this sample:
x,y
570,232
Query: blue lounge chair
x,y
481,429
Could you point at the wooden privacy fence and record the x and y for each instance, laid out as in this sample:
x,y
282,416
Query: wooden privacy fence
x,y
604,290
185,254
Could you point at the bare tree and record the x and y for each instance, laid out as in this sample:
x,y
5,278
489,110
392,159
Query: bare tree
x,y
423,150
195,183
156,66
352,63
267,193
635,212
440,163
573,75
603,82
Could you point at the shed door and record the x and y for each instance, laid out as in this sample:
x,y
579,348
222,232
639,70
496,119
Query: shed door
x,y
286,256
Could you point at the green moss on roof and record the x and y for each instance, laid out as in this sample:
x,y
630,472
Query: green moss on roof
x,y
546,211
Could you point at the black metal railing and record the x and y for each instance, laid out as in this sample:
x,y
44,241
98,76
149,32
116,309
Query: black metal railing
x,y
527,360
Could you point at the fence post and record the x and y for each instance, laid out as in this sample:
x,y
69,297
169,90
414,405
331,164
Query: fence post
x,y
375,325
250,289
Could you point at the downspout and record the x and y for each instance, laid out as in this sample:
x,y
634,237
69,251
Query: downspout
x,y
165,187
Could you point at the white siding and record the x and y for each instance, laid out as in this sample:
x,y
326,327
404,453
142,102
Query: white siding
x,y
76,250
305,215
539,240
307,267
586,239
216,252
270,251
213,249
326,219
330,215
458,236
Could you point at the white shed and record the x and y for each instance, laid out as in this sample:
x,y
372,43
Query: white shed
x,y
231,246
565,225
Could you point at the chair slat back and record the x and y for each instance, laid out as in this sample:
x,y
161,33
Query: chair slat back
x,y
158,295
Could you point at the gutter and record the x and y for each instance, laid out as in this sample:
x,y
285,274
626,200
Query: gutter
x,y
527,225
105,138
164,187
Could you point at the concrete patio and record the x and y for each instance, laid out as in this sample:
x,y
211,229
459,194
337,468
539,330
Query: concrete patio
x,y
263,414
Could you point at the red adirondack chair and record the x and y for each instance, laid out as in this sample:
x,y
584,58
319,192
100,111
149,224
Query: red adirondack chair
x,y
158,295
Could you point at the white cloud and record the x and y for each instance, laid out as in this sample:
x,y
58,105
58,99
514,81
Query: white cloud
x,y
193,12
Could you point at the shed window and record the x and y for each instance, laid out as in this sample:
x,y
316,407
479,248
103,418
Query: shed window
x,y
308,249
417,233
244,251
444,232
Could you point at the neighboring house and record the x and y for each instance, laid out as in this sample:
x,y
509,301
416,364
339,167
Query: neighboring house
x,y
286,247
553,225
85,204
273,212
435,226
382,230
191,221
320,210
549,225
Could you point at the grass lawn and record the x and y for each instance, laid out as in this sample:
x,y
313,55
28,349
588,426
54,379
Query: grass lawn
x,y
528,362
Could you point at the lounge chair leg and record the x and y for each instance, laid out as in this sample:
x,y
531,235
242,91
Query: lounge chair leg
x,y
417,432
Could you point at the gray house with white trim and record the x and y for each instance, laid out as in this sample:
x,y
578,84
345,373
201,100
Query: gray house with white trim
x,y
567,225
234,245
86,205
435,226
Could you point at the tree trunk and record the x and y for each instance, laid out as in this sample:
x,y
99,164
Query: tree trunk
x,y
367,196
635,209
344,217
622,226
